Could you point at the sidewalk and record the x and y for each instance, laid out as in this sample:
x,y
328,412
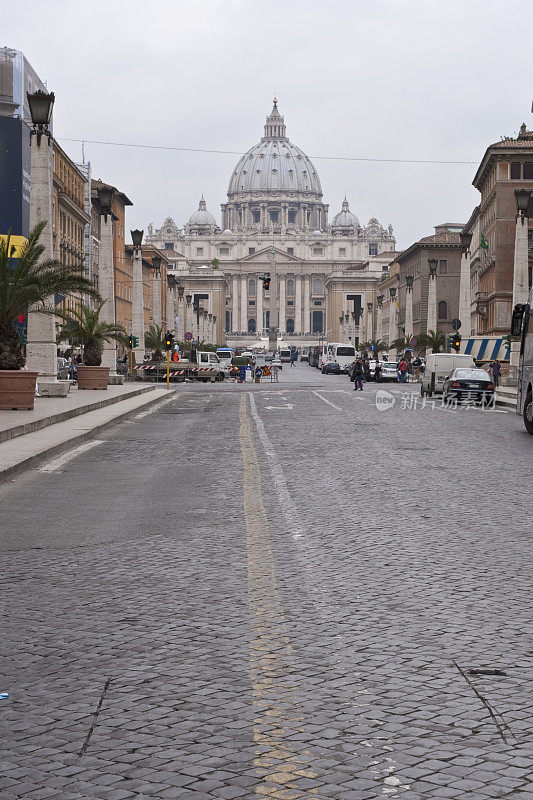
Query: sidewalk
x,y
28,437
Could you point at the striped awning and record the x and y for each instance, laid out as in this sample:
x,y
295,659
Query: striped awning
x,y
486,348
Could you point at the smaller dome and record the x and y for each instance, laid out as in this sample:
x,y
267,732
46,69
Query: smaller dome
x,y
345,218
318,232
227,230
202,216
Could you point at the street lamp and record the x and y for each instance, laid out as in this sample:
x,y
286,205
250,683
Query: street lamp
x,y
369,306
188,299
409,282
522,197
380,298
392,292
432,264
137,238
105,198
466,239
181,289
156,264
41,105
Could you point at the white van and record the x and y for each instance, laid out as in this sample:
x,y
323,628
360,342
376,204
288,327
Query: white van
x,y
342,354
438,366
285,356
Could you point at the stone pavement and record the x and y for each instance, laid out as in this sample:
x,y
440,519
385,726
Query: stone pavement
x,y
327,601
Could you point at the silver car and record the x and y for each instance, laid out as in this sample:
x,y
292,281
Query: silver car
x,y
389,371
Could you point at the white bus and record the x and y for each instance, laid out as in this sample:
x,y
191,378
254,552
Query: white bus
x,y
522,325
342,354
225,354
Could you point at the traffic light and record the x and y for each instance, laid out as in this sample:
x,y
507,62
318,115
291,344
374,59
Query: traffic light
x,y
169,341
266,283
455,341
130,341
133,341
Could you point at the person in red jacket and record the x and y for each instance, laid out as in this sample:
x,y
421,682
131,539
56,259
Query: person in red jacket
x,y
402,371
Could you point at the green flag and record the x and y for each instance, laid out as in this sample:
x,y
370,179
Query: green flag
x,y
483,243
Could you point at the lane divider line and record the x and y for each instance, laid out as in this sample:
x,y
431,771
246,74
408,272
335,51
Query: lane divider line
x,y
57,463
155,407
328,401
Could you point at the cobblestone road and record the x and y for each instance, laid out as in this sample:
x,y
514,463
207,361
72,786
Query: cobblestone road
x,y
272,591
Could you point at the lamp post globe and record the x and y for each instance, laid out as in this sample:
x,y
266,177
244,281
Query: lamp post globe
x,y
522,197
137,238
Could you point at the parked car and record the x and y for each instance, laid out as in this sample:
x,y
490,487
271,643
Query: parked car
x,y
438,366
304,357
389,371
331,368
268,357
469,384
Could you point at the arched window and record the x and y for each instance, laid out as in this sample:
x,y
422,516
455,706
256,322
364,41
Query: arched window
x,y
318,286
292,215
251,286
256,214
290,286
290,326
251,326
443,309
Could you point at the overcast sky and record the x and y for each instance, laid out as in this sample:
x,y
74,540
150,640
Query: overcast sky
x,y
391,79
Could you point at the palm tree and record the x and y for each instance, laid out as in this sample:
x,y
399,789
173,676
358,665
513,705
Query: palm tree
x,y
434,339
154,339
83,326
402,343
26,284
376,345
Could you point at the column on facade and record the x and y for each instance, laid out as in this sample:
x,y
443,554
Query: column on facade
x,y
282,302
259,306
432,305
244,304
379,318
180,309
393,314
234,303
171,310
41,350
106,287
370,321
307,304
137,305
156,298
298,305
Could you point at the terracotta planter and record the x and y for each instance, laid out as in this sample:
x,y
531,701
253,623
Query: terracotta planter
x,y
17,389
92,377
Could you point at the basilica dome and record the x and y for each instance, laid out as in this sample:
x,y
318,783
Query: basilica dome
x,y
275,165
202,216
345,218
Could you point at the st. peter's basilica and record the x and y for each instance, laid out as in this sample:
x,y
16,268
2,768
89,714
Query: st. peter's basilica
x,y
275,218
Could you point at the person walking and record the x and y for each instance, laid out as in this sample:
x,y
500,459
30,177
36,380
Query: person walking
x,y
293,358
377,372
358,372
496,371
417,363
402,371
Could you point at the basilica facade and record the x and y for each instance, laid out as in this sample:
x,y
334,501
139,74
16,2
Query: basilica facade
x,y
275,221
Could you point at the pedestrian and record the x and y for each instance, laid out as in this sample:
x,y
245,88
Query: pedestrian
x,y
417,363
293,358
377,372
496,371
275,373
358,372
402,371
366,369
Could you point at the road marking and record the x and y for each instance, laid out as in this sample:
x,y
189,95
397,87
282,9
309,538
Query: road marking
x,y
155,407
328,402
281,760
57,463
288,407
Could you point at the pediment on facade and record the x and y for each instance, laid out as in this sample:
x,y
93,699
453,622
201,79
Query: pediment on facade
x,y
265,255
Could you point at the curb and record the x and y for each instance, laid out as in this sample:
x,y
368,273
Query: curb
x,y
45,422
57,449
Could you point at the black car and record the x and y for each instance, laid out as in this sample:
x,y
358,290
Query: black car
x,y
469,384
331,368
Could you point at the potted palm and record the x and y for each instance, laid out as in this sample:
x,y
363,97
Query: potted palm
x,y
84,327
27,283
154,339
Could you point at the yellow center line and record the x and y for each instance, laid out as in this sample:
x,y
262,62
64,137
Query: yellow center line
x,y
280,759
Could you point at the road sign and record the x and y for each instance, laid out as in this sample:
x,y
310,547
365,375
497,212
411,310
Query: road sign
x,y
266,371
413,342
188,336
456,324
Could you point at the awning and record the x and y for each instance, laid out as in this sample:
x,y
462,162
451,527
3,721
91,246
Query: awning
x,y
483,348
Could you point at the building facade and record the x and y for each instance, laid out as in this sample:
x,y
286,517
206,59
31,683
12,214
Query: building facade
x,y
506,166
275,221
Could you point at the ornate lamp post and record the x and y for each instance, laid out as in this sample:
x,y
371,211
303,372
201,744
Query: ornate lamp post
x,y
106,275
520,270
369,322
379,316
393,314
409,305
41,350
156,290
432,297
137,308
465,298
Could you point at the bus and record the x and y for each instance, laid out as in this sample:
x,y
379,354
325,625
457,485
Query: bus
x,y
342,354
225,354
522,326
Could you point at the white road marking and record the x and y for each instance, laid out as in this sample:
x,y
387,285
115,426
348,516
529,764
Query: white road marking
x,y
156,407
328,402
288,407
57,463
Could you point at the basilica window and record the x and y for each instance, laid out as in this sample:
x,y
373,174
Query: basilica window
x,y
169,246
251,286
317,251
274,216
342,251
372,249
256,215
290,286
199,251
290,326
251,250
290,251
292,216
318,286
224,251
